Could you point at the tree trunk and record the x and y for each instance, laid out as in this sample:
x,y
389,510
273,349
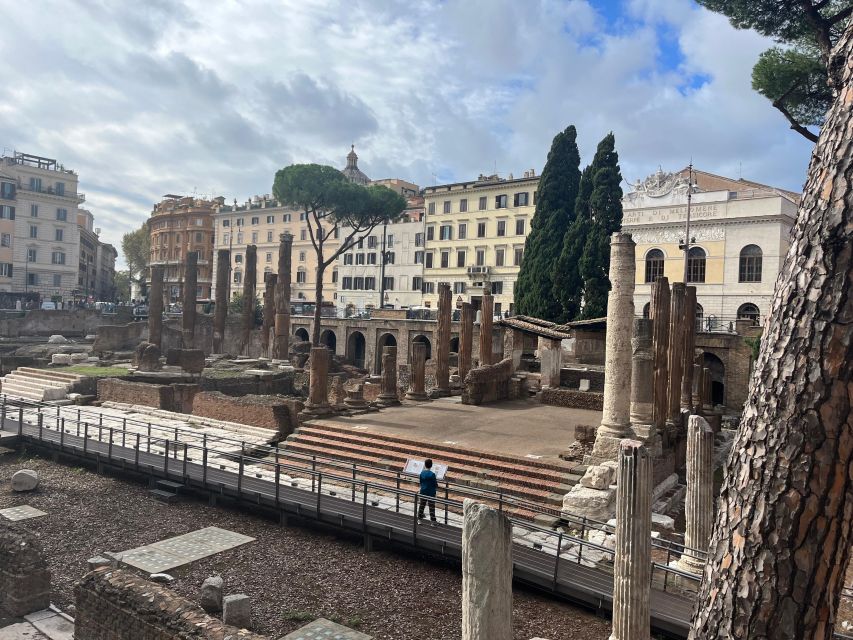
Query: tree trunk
x,y
782,537
318,296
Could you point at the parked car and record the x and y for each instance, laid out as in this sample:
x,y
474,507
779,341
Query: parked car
x,y
140,312
47,305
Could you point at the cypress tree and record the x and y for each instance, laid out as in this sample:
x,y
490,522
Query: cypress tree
x,y
555,203
568,283
605,211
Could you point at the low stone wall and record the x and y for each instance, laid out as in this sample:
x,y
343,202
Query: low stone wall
x,y
171,397
41,322
571,379
24,577
113,604
573,398
270,412
488,384
120,337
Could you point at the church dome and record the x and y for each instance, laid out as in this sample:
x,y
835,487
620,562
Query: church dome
x,y
352,172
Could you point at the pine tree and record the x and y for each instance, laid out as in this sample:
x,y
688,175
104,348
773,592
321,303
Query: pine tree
x,y
555,203
568,283
605,214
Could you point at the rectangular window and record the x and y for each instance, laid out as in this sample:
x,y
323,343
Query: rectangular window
x,y
7,213
6,240
535,193
269,236
255,220
199,237
301,256
269,257
347,283
483,203
57,279
285,217
417,283
370,283
389,241
361,243
58,235
429,287
371,242
481,229
462,232
447,206
303,234
60,188
429,259
226,238
239,222
57,257
431,208
239,237
388,283
238,258
419,239
303,217
445,259
389,257
254,237
32,279
430,233
371,258
458,287
518,256
499,257
358,282
238,277
520,199
500,202
501,227
35,184
226,223
481,257
419,257
460,258
7,190
519,227
270,219
497,288
446,232
62,214
463,205
34,231
6,270
347,258
335,276
359,258
300,277
34,211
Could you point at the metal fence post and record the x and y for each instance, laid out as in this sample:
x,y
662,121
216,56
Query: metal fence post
x,y
277,479
319,492
41,425
20,420
353,482
165,459
557,559
446,499
61,435
185,461
136,453
204,466
397,494
85,436
240,478
415,521
110,449
364,509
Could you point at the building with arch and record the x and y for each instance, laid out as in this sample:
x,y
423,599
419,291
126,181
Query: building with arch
x,y
739,234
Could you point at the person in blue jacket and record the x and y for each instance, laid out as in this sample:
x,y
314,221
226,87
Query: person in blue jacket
x,y
429,485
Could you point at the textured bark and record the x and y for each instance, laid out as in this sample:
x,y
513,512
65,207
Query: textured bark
x,y
782,537
220,312
249,296
189,301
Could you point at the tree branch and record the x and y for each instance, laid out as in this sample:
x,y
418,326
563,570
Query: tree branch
x,y
841,15
822,28
796,126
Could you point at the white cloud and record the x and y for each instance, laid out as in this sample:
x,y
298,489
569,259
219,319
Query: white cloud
x,y
161,97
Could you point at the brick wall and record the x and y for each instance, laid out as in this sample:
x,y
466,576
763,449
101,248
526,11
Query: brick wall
x,y
270,412
573,398
113,604
24,577
488,384
571,378
150,395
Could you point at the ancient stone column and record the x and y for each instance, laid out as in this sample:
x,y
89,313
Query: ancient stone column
x,y
699,502
249,283
442,340
632,559
269,311
486,573
616,415
417,380
466,340
488,313
188,301
318,381
698,379
220,312
659,310
707,404
689,346
155,307
388,381
676,355
642,385
281,344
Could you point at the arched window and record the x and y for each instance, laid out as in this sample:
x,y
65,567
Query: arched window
x,y
647,310
696,265
654,265
750,312
700,316
750,264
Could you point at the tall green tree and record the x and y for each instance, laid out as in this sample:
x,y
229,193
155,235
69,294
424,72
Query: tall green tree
x,y
555,206
793,76
334,208
568,282
136,247
605,218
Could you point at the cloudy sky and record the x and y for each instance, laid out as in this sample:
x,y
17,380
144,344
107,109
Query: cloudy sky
x,y
213,96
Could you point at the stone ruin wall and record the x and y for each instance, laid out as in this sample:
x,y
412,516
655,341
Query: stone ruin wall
x,y
169,397
571,378
24,576
113,604
572,398
491,383
270,412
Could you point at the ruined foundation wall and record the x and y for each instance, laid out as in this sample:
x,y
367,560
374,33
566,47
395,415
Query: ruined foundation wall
x,y
489,384
269,412
113,604
572,398
24,577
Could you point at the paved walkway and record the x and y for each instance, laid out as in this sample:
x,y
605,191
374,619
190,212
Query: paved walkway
x,y
48,624
518,428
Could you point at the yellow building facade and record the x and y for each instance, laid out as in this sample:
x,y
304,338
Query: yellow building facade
x,y
474,237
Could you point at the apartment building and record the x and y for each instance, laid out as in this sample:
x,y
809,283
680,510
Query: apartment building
x,y
739,235
180,225
97,267
39,241
475,233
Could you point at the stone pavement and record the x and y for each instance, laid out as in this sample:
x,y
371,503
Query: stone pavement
x,y
48,624
322,629
24,512
180,550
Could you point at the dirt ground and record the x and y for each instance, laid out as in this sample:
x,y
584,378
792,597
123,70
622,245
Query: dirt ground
x,y
293,574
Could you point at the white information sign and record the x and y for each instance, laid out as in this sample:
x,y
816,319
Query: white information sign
x,y
414,467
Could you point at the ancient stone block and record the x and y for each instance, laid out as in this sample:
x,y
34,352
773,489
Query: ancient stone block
x,y
237,611
147,357
57,339
61,358
597,477
190,360
210,596
25,480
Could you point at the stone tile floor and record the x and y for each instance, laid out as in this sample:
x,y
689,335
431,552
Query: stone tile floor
x,y
322,629
24,512
48,624
180,550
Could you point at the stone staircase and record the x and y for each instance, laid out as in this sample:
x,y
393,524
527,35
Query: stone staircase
x,y
40,385
541,482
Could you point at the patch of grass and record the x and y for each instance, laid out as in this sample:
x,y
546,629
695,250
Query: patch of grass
x,y
96,372
296,615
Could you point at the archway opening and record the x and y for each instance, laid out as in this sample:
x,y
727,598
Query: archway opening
x,y
329,339
428,344
385,340
718,378
302,334
454,344
356,349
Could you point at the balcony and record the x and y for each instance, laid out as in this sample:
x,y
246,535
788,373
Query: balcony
x,y
50,191
479,273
